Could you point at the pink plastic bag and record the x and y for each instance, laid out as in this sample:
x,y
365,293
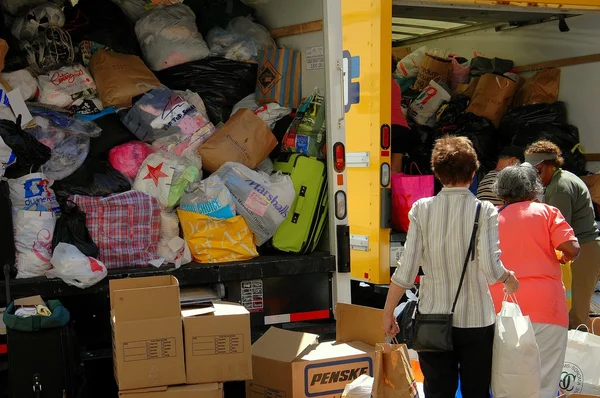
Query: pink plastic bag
x,y
460,73
128,158
406,190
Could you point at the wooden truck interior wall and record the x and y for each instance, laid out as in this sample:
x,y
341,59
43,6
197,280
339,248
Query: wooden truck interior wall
x,y
544,42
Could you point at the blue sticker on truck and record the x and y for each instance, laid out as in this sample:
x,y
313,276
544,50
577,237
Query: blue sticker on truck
x,y
327,378
351,67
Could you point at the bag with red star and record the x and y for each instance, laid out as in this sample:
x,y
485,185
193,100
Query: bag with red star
x,y
165,177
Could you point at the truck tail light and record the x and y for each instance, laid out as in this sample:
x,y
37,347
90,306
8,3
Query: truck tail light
x,y
339,162
385,174
385,137
340,205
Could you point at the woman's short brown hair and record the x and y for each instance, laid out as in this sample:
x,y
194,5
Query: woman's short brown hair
x,y
544,146
454,160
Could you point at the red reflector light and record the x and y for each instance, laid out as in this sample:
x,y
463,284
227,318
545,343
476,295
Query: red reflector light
x,y
340,157
385,137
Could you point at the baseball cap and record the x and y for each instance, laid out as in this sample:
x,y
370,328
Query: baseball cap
x,y
536,158
512,152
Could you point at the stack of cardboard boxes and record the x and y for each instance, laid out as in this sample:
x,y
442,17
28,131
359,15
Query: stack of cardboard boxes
x,y
162,352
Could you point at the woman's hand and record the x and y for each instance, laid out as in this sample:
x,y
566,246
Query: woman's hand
x,y
390,326
511,285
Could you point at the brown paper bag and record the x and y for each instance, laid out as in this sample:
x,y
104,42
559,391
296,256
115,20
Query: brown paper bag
x,y
393,372
541,88
120,77
467,89
493,96
245,139
433,68
3,51
593,184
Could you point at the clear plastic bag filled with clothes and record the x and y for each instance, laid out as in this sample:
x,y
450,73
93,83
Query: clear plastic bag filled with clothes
x,y
209,197
243,40
168,36
69,140
171,120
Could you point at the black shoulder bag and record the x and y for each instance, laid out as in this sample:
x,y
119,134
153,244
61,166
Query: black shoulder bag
x,y
433,332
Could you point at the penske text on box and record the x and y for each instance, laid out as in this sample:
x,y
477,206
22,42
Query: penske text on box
x,y
289,364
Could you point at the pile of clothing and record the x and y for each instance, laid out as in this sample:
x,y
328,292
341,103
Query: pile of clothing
x,y
112,114
485,100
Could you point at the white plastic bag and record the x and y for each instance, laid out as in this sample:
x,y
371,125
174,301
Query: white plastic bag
x,y
134,9
269,113
75,268
264,201
409,65
65,86
33,242
28,26
361,387
516,368
7,157
23,80
243,40
209,197
581,373
170,246
165,177
426,105
33,192
168,36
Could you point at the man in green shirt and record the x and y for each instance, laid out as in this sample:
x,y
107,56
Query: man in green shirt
x,y
568,193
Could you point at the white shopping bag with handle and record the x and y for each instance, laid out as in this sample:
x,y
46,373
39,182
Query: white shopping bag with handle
x,y
516,368
581,371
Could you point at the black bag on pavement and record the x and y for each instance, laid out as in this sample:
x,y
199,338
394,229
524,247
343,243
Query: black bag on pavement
x,y
71,228
45,364
433,332
220,82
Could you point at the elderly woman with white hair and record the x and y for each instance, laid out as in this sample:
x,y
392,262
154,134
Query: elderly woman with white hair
x,y
530,232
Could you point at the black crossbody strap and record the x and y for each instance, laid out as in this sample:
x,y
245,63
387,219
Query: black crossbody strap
x,y
470,253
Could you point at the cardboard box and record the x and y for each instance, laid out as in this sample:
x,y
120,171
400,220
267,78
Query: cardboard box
x,y
400,52
280,78
147,332
217,343
214,390
290,364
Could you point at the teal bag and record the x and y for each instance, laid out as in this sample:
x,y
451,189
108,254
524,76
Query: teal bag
x,y
59,318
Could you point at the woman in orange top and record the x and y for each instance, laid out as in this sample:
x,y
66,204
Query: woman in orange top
x,y
529,234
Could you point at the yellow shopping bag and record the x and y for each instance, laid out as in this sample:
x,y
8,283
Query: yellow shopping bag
x,y
566,277
212,240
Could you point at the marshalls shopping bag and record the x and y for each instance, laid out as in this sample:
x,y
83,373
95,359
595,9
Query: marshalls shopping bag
x,y
516,368
393,372
581,371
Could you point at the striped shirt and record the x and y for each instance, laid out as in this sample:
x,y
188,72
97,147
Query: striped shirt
x,y
438,240
485,192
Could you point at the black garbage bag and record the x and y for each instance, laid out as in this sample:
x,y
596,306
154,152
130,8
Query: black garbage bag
x,y
114,133
524,116
482,134
31,154
220,82
93,178
102,22
211,13
71,228
7,254
449,113
481,65
419,148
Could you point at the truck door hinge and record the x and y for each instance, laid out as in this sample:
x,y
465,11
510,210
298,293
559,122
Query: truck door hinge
x,y
359,242
358,159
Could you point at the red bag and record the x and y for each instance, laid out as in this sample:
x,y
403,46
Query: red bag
x,y
406,190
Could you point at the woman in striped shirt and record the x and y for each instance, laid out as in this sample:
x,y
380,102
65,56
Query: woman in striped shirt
x,y
438,238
